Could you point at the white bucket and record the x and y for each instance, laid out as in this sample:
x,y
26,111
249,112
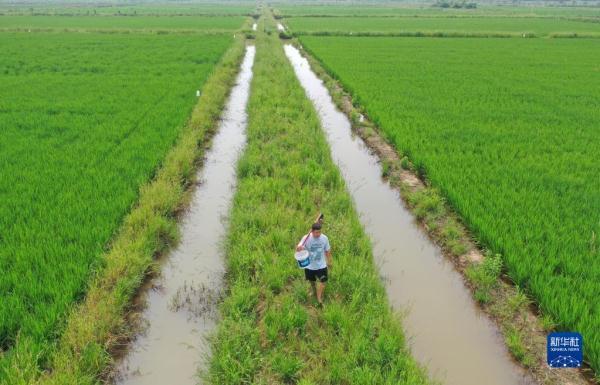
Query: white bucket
x,y
302,258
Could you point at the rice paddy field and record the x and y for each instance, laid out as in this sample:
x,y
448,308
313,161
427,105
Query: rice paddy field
x,y
514,25
86,120
158,9
391,10
211,24
102,132
509,136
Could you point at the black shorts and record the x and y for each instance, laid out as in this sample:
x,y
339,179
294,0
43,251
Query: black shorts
x,y
316,275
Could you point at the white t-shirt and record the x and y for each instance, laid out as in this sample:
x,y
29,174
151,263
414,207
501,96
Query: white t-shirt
x,y
317,248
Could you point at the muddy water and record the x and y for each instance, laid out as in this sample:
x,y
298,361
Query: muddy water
x,y
447,333
181,302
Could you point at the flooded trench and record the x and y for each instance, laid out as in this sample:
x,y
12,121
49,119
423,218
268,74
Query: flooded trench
x,y
445,329
180,304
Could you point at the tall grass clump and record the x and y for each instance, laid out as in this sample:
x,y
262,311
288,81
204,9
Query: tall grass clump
x,y
271,331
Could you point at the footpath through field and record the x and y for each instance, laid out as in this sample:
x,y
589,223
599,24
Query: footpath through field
x,y
271,331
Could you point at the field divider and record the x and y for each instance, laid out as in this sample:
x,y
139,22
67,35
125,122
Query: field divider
x,y
126,31
517,316
271,330
454,34
583,19
438,34
99,326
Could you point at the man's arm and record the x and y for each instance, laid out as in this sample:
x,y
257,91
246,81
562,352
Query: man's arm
x,y
328,253
300,247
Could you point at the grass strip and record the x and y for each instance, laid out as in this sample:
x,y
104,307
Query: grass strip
x,y
97,326
271,331
419,34
117,31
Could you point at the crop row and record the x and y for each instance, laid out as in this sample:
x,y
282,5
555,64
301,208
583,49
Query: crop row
x,y
482,25
382,10
85,120
203,23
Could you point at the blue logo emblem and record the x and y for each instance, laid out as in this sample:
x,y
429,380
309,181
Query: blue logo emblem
x,y
565,350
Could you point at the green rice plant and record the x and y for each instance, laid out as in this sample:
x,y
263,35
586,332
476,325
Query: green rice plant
x,y
440,26
509,138
573,35
198,23
547,323
381,10
283,180
86,121
139,9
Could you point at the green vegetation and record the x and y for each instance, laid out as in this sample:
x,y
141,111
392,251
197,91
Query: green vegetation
x,y
456,25
271,330
382,10
96,161
198,23
509,137
148,8
454,4
151,227
86,120
484,276
514,341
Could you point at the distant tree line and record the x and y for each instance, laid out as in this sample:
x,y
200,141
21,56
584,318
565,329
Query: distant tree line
x,y
454,4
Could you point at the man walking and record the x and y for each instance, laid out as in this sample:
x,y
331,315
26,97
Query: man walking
x,y
318,246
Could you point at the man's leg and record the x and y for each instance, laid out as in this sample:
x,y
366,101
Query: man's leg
x,y
308,274
320,290
322,278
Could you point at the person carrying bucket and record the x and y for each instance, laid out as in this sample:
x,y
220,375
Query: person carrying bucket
x,y
316,245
